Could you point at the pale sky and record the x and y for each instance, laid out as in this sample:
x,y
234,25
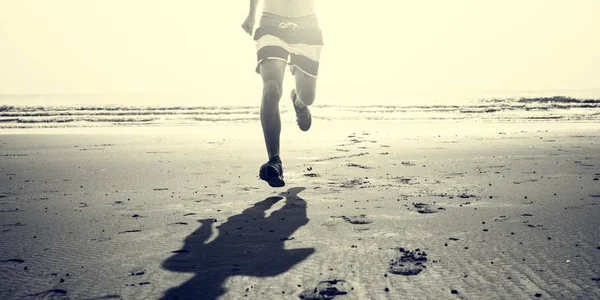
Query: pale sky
x,y
377,49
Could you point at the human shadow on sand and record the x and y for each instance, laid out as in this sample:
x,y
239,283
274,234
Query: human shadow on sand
x,y
248,244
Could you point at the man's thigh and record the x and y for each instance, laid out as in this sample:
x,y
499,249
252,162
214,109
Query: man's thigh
x,y
272,70
305,82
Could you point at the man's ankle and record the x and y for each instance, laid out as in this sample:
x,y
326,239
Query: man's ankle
x,y
298,104
275,158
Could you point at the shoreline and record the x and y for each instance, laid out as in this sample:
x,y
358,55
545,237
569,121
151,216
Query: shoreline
x,y
484,126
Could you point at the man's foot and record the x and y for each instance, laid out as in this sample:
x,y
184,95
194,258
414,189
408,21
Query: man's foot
x,y
272,172
303,117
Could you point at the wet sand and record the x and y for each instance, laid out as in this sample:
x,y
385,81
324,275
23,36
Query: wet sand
x,y
373,210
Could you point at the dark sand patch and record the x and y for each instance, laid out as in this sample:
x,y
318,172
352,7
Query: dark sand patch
x,y
408,262
360,219
355,182
524,181
12,260
404,180
326,290
18,224
424,208
465,196
581,206
178,223
501,219
137,272
361,229
357,166
583,164
51,294
130,231
247,189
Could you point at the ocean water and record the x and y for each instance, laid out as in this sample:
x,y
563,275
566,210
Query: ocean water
x,y
538,109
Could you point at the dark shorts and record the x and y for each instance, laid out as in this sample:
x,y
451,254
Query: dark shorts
x,y
297,41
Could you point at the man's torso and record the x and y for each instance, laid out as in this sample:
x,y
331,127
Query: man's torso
x,y
290,8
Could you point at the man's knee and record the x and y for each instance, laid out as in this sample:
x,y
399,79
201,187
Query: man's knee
x,y
272,90
306,96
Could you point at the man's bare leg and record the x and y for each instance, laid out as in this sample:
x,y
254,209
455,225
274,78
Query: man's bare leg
x,y
304,96
272,72
306,88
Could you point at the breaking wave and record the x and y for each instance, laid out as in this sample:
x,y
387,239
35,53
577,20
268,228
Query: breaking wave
x,y
555,108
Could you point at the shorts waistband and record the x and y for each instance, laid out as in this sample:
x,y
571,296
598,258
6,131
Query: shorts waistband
x,y
272,20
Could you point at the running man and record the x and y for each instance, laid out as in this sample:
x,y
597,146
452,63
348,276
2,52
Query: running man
x,y
288,34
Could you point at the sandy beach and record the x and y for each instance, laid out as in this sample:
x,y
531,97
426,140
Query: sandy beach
x,y
370,210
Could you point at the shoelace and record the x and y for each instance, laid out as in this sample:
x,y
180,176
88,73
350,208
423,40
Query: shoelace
x,y
288,24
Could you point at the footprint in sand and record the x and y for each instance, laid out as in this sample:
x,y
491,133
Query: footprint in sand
x,y
50,294
358,166
18,224
12,260
355,182
326,290
404,180
525,181
408,262
424,208
177,223
130,231
137,271
360,219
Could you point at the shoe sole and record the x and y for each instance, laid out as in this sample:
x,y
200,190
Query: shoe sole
x,y
297,121
271,176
